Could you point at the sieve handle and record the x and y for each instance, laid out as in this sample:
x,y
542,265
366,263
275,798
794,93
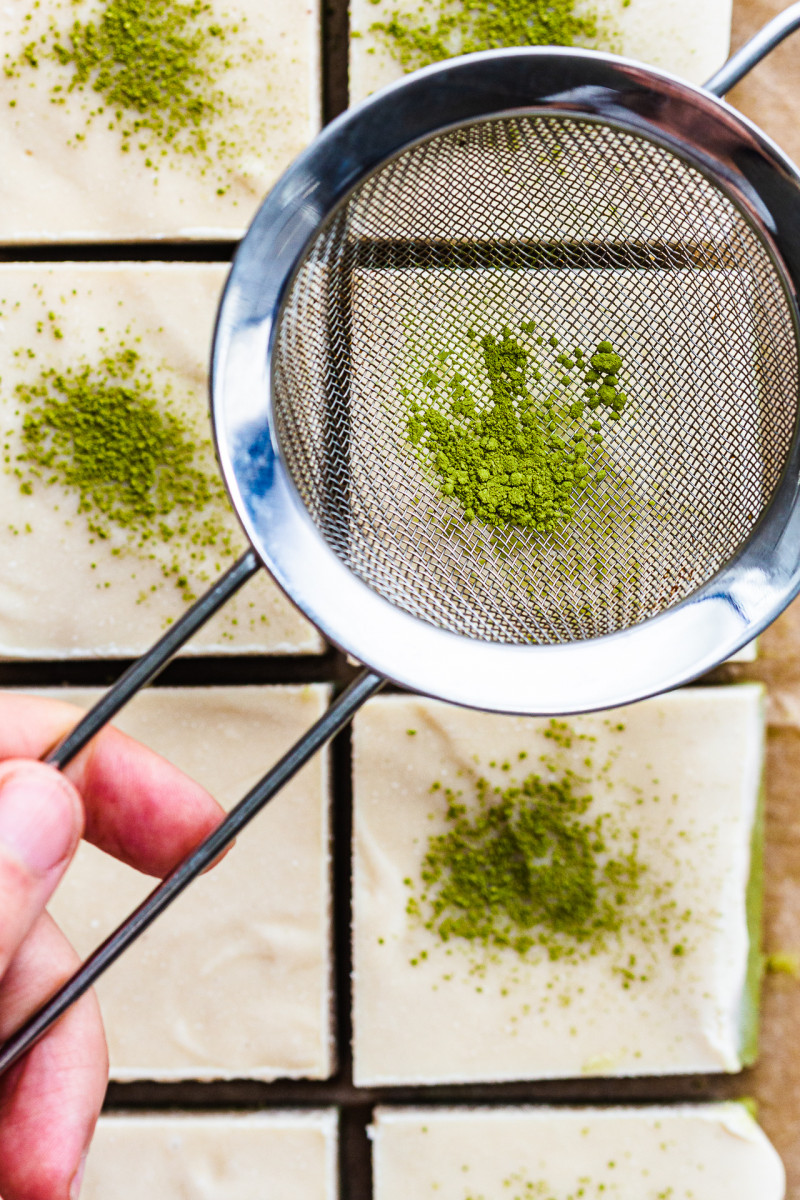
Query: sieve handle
x,y
145,669
335,718
753,51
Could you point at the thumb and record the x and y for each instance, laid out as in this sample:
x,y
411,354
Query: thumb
x,y
41,821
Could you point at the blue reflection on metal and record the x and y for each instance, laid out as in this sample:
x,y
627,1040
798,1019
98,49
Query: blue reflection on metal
x,y
254,463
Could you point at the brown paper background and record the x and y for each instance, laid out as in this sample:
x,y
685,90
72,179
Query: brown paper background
x,y
770,96
775,1081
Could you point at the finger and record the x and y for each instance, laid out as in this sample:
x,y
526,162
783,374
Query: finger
x,y
41,819
50,1101
138,806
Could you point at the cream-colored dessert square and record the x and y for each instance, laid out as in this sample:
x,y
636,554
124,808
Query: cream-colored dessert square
x,y
67,177
690,40
63,592
713,1151
674,785
234,981
747,654
230,1156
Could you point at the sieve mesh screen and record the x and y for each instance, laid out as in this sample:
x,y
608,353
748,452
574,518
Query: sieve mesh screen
x,y
593,233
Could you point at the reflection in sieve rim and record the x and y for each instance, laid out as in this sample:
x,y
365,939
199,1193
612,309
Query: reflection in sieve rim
x,y
592,232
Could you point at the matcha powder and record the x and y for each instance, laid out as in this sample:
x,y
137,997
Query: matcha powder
x,y
463,26
154,66
523,456
103,432
526,867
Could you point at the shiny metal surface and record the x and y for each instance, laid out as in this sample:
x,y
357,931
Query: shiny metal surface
x,y
281,411
144,670
591,233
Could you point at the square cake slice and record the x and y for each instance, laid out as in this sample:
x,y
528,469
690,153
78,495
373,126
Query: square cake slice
x,y
230,1156
541,899
713,1151
233,981
109,482
134,122
389,37
747,654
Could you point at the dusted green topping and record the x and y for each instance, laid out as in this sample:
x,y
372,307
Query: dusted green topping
x,y
104,432
149,58
522,457
155,67
526,867
551,865
519,1187
463,26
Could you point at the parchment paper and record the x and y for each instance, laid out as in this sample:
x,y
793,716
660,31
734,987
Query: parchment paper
x,y
769,95
775,1081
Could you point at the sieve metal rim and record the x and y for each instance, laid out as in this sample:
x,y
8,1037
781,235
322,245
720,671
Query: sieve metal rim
x,y
663,651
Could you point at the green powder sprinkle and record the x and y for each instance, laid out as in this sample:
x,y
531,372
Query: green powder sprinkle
x,y
105,432
523,458
464,26
519,1187
154,65
526,867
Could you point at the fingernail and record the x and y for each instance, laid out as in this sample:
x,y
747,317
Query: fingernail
x,y
77,1178
38,821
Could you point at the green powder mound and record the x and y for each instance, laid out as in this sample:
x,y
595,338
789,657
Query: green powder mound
x,y
526,867
524,457
105,432
155,66
463,26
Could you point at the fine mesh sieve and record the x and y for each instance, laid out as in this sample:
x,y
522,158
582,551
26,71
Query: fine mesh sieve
x,y
601,200
593,233
598,198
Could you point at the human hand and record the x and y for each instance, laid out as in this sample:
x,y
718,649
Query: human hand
x,y
128,801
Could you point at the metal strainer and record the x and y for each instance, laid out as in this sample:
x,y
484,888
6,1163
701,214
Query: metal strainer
x,y
598,198
585,228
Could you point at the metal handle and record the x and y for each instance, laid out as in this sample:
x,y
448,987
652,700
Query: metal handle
x,y
753,51
145,669
337,716
140,673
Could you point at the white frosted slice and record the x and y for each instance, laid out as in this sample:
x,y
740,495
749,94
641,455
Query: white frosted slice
x,y
713,1151
690,40
119,605
231,1156
233,981
64,180
669,994
747,654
